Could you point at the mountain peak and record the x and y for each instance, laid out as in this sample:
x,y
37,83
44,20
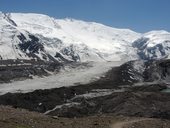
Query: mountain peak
x,y
156,32
70,39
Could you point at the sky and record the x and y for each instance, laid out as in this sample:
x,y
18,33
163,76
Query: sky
x,y
138,15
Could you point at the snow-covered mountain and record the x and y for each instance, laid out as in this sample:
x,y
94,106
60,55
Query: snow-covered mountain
x,y
35,35
28,35
154,45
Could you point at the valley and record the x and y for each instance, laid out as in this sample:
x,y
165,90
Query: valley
x,y
65,70
119,92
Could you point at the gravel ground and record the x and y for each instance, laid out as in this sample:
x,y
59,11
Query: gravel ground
x,y
20,118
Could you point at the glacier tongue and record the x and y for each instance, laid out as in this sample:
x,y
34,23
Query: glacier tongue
x,y
67,77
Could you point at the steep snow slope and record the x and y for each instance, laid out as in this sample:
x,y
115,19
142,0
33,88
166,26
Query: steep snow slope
x,y
74,31
8,39
89,40
28,35
16,43
154,45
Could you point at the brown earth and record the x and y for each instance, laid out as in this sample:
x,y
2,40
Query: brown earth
x,y
142,123
20,118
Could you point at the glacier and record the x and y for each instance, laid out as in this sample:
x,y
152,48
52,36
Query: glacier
x,y
40,37
72,39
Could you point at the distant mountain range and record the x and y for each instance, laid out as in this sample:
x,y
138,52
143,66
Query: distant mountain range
x,y
37,36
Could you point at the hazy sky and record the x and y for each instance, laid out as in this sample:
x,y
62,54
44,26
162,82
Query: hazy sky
x,y
138,15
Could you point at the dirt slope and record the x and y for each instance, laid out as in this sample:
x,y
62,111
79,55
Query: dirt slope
x,y
20,118
142,123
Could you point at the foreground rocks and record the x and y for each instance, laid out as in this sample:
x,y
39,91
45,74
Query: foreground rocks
x,y
140,104
20,118
141,123
141,101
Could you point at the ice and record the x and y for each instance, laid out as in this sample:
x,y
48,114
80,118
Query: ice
x,y
97,37
64,78
60,106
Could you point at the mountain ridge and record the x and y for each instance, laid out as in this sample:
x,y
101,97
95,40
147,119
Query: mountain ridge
x,y
66,40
